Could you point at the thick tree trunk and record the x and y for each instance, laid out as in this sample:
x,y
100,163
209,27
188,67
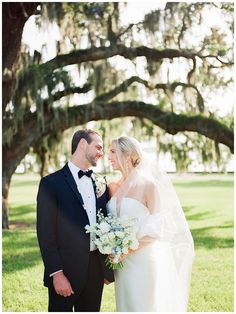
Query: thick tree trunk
x,y
14,16
12,156
8,169
5,189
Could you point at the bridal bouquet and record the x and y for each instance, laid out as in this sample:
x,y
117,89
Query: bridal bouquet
x,y
114,236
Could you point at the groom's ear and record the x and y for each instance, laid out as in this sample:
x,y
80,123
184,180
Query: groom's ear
x,y
82,144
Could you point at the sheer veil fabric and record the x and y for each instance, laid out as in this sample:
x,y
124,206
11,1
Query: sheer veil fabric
x,y
167,226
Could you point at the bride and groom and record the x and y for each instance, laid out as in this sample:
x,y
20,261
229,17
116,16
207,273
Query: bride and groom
x,y
156,276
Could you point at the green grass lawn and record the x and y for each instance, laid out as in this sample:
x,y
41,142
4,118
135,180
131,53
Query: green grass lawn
x,y
208,204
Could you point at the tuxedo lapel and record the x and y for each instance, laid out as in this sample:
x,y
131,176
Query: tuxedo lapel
x,y
95,193
70,180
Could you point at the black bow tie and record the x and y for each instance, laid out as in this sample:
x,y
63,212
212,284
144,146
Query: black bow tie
x,y
87,173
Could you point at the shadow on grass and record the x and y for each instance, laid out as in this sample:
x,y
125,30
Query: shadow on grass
x,y
22,210
199,216
202,238
16,262
188,208
22,216
25,183
205,184
196,216
20,251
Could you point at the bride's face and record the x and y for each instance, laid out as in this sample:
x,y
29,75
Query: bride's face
x,y
112,157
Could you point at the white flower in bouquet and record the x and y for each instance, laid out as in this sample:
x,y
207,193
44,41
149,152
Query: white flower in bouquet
x,y
120,234
111,236
90,229
104,227
114,236
105,250
125,250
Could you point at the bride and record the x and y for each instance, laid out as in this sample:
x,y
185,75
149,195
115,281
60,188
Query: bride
x,y
156,276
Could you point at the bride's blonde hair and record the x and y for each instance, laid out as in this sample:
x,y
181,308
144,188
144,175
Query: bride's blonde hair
x,y
127,147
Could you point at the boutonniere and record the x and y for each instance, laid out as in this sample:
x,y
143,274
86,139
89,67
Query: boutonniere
x,y
99,184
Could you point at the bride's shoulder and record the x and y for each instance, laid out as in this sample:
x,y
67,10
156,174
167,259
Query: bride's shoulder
x,y
149,185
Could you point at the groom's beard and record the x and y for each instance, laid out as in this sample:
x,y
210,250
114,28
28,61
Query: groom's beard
x,y
91,159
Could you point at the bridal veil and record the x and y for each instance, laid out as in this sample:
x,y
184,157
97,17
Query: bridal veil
x,y
166,227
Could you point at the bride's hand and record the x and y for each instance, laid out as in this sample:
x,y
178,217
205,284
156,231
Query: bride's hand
x,y
122,257
111,258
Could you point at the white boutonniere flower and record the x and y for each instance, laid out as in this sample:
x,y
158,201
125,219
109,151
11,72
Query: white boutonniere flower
x,y
99,184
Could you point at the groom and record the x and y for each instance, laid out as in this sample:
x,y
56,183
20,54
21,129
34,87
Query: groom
x,y
67,201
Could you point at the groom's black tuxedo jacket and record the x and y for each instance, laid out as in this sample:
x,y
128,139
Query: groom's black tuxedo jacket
x,y
61,221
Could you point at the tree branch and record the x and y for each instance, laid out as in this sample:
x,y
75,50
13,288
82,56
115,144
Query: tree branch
x,y
8,123
94,54
124,86
128,28
217,58
121,88
192,70
200,100
78,115
72,90
168,121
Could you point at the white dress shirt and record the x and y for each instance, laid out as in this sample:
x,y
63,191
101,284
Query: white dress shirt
x,y
85,188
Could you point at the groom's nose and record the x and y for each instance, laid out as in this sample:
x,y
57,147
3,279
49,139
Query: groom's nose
x,y
100,154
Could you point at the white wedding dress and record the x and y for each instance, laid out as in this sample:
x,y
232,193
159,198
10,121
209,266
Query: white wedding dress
x,y
148,281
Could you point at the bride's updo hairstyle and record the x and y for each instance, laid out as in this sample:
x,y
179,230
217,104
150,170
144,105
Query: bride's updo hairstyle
x,y
127,147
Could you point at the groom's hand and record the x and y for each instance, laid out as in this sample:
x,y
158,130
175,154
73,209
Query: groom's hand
x,y
62,285
106,281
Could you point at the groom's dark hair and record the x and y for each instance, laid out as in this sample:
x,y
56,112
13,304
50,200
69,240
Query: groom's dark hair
x,y
86,134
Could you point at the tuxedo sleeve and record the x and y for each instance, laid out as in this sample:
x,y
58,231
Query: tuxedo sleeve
x,y
46,227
